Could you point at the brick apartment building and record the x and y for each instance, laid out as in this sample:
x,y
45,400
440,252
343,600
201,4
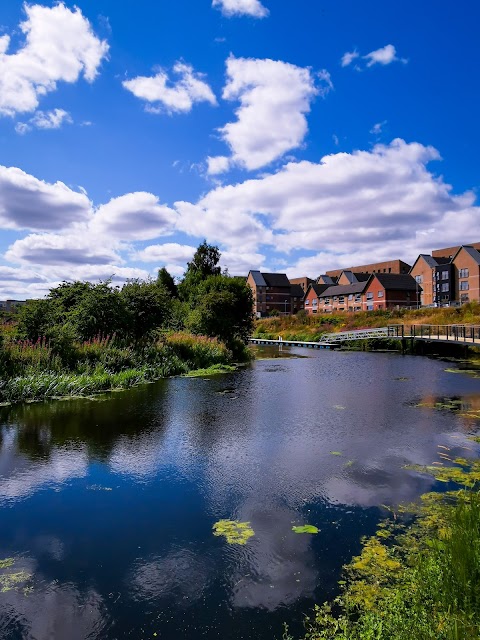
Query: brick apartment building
x,y
391,266
377,291
273,292
449,275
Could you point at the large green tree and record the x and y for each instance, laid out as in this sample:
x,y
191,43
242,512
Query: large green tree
x,y
147,305
223,309
203,265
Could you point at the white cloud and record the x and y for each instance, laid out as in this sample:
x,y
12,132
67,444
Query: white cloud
x,y
59,46
217,164
29,203
377,128
45,120
349,57
231,8
134,216
169,253
274,97
350,208
240,262
172,97
54,250
385,55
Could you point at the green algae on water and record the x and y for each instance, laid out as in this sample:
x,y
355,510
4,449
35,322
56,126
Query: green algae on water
x,y
335,453
11,579
234,531
306,528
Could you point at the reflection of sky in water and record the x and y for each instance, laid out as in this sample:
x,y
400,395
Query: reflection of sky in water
x,y
122,494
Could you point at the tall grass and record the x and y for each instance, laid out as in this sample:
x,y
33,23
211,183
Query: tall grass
x,y
35,371
421,582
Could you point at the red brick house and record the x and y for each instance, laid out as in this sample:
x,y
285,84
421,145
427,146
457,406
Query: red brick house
x,y
312,297
387,290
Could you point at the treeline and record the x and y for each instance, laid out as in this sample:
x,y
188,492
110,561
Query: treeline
x,y
206,302
86,337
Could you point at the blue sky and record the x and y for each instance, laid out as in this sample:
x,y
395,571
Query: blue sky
x,y
296,136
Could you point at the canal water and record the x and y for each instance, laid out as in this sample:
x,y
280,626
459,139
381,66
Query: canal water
x,y
107,505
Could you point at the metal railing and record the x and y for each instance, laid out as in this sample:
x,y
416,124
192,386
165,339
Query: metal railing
x,y
467,333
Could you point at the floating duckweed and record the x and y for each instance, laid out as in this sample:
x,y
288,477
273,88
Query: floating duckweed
x,y
335,453
349,463
338,406
306,528
7,562
11,580
234,531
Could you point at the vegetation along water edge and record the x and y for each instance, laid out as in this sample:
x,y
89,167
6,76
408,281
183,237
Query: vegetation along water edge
x,y
419,578
86,338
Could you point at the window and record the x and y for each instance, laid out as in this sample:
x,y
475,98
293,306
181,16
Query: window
x,y
445,287
444,275
358,297
464,286
380,294
315,302
369,307
307,302
341,299
370,295
335,298
350,297
327,300
419,279
463,273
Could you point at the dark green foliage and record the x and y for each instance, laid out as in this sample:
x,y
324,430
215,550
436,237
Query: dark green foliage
x,y
100,311
35,319
204,264
223,309
147,306
164,279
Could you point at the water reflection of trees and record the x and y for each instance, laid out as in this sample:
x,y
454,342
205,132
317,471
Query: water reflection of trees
x,y
97,423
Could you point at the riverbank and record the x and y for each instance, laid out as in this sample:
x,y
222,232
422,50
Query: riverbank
x,y
418,581
308,328
40,371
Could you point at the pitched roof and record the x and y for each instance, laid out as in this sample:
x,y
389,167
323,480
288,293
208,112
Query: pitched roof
x,y
473,253
296,291
258,279
344,289
397,281
327,279
318,288
276,279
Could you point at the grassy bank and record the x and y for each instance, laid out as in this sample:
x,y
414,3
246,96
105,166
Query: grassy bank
x,y
41,370
311,328
419,581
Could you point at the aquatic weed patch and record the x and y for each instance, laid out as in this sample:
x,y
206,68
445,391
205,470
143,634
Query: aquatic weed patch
x,y
235,532
11,580
306,528
419,581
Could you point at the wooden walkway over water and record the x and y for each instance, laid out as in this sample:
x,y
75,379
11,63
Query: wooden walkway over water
x,y
466,334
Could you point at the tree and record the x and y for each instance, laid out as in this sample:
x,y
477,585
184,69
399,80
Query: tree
x,y
164,279
223,310
204,264
35,319
100,311
147,306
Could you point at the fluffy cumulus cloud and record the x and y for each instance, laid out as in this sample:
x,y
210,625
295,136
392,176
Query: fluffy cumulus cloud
x,y
168,253
346,209
54,119
274,97
134,216
231,8
162,94
383,56
29,203
59,250
59,46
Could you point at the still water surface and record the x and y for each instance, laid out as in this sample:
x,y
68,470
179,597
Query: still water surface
x,y
109,503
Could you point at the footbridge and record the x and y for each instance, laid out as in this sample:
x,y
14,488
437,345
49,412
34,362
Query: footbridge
x,y
467,334
452,333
